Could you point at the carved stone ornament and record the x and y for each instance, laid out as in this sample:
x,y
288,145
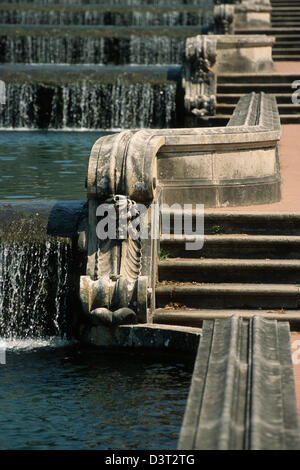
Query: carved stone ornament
x,y
199,81
224,15
121,175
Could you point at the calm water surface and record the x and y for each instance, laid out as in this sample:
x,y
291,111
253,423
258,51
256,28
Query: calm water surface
x,y
66,397
45,164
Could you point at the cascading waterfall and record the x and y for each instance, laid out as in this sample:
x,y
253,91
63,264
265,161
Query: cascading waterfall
x,y
34,288
199,3
67,49
80,64
85,105
156,50
99,16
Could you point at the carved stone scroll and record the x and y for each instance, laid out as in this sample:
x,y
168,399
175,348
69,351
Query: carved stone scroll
x,y
122,171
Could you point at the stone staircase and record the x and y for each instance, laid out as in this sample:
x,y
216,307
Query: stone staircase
x,y
285,26
285,20
232,86
286,29
249,264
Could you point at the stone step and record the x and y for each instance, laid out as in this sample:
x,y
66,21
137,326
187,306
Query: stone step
x,y
220,270
281,21
281,4
242,222
288,24
234,246
227,295
288,51
290,119
283,98
222,120
285,22
272,88
285,58
285,13
195,317
259,78
288,45
284,109
270,31
285,9
289,38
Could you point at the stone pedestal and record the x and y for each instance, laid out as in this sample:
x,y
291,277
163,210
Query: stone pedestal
x,y
207,56
244,53
251,14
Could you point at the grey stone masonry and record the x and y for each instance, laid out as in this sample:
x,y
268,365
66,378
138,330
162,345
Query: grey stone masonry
x,y
242,395
222,166
207,56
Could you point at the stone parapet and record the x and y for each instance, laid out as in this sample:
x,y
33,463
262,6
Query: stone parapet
x,y
232,165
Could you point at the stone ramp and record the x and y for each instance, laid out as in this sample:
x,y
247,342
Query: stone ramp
x,y
242,394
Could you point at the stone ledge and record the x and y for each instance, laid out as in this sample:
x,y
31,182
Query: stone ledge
x,y
245,40
143,336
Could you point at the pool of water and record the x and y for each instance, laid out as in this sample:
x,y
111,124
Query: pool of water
x,y
60,395
45,165
63,396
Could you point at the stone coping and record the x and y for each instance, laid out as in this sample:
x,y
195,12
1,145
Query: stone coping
x,y
246,7
255,124
248,40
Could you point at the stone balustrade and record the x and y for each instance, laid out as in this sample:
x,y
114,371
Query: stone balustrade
x,y
217,167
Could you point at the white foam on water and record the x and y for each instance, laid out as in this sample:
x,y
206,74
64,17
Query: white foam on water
x,y
27,344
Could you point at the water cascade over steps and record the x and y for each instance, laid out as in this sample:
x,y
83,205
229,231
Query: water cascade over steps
x,y
83,65
38,266
33,284
77,65
89,105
